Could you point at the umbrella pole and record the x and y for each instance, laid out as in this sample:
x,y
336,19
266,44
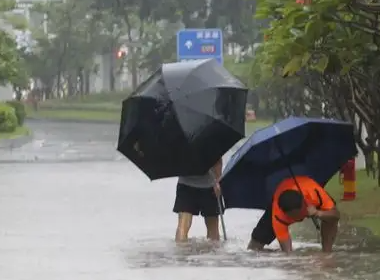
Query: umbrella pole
x,y
222,218
314,219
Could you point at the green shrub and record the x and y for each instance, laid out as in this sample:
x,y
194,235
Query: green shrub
x,y
19,110
8,118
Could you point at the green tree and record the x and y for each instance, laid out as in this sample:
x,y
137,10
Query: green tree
x,y
63,55
11,64
332,47
236,17
8,58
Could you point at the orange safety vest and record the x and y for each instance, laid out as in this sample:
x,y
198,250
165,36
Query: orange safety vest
x,y
314,195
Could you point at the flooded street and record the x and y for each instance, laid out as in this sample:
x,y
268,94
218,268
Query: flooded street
x,y
72,208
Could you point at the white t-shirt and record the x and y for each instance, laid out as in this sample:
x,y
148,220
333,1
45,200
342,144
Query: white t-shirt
x,y
202,182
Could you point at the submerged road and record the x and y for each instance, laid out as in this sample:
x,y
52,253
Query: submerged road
x,y
72,208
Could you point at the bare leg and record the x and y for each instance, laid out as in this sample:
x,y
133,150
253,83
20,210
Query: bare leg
x,y
183,228
212,225
328,234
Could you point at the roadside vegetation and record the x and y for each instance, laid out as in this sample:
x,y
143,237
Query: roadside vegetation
x,y
12,117
364,211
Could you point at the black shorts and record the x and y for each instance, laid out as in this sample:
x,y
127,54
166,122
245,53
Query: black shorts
x,y
195,200
263,233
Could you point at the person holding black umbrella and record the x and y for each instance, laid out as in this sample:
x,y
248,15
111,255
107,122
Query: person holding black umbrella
x,y
293,202
178,123
198,195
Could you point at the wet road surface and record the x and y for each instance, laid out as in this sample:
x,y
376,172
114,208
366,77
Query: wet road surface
x,y
72,208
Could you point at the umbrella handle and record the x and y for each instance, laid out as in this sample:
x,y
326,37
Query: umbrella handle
x,y
221,217
316,223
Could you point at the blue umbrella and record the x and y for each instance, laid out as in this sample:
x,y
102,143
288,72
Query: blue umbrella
x,y
295,146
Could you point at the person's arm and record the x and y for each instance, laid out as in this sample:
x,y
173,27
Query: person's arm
x,y
327,211
282,234
217,169
328,215
217,172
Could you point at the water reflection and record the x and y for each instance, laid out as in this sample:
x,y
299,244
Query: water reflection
x,y
202,253
339,265
355,261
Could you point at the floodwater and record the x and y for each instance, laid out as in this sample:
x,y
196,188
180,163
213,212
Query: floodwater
x,y
72,208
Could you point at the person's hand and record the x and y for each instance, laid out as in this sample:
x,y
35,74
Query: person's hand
x,y
312,211
217,190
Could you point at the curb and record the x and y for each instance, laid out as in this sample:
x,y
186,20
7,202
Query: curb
x,y
16,142
72,121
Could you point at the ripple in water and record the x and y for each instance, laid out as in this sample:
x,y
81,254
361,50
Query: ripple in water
x,y
202,253
307,262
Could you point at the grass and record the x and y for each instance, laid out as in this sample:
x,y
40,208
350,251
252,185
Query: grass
x,y
241,69
364,211
98,111
103,106
84,115
97,102
251,126
20,131
95,98
98,107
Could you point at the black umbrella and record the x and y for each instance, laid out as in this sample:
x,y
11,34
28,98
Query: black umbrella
x,y
182,119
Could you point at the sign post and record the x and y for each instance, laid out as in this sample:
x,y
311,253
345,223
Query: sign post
x,y
195,44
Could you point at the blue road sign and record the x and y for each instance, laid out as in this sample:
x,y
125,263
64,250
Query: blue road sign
x,y
200,44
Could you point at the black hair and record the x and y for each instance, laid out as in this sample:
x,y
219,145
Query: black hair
x,y
290,200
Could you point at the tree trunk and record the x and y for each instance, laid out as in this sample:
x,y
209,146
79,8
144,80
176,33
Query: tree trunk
x,y
135,56
81,81
46,92
112,71
70,85
18,93
86,82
